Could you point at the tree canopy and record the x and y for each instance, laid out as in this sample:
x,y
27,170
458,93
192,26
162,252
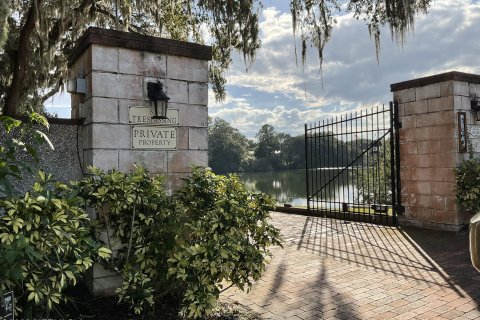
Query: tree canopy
x,y
36,36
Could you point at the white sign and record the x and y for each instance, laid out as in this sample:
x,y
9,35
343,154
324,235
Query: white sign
x,y
475,131
143,115
154,137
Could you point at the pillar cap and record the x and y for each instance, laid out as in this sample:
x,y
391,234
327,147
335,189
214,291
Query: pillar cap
x,y
136,41
447,76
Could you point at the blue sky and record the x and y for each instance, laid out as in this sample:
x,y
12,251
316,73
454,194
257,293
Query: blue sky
x,y
278,91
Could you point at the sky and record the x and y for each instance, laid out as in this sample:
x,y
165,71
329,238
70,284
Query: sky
x,y
280,91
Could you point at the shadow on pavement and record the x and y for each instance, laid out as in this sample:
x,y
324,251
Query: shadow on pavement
x,y
432,258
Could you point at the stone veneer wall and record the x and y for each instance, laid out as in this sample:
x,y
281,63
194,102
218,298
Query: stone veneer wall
x,y
429,148
63,162
117,67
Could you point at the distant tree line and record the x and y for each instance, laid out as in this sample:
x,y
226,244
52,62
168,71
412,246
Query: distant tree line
x,y
230,151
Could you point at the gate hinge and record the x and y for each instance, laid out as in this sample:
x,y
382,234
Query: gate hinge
x,y
398,125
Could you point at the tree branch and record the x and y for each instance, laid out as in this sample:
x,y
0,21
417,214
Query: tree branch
x,y
20,61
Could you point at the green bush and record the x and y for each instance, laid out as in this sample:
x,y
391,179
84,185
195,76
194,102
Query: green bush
x,y
225,239
45,237
467,186
210,232
45,245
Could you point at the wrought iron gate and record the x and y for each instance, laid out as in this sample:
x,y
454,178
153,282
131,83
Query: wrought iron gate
x,y
352,166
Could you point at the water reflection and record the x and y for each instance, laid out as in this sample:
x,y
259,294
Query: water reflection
x,y
290,187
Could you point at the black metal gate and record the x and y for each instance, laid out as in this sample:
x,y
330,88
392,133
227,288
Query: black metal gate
x,y
352,166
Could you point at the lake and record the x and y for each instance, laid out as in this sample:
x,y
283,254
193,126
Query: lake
x,y
290,187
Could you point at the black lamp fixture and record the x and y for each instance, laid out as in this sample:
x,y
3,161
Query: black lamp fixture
x,y
475,104
159,98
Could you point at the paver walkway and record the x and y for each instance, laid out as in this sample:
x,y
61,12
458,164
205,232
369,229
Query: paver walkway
x,y
333,269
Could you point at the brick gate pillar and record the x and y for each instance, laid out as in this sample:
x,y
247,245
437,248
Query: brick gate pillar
x,y
431,113
113,69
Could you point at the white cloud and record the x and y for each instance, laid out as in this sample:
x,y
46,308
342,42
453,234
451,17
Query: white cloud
x,y
286,96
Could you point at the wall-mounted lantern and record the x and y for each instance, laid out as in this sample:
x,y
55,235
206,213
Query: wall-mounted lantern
x,y
159,98
475,103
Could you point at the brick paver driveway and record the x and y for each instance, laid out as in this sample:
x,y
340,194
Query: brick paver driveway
x,y
333,269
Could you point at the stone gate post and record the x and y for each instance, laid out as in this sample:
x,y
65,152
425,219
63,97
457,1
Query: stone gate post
x,y
436,123
113,69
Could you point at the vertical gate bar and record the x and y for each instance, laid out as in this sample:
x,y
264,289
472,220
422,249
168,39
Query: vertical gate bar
x,y
327,171
349,150
384,156
398,180
356,197
377,162
318,170
306,168
342,197
313,151
324,164
336,185
392,164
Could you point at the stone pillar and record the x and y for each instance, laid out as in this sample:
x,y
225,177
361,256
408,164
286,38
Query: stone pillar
x,y
430,146
117,126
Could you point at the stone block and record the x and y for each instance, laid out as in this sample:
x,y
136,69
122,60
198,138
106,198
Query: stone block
x,y
474,90
417,187
155,161
446,88
437,202
175,180
436,174
462,103
111,136
438,146
104,58
440,104
409,122
417,107
409,173
182,161
401,110
101,158
192,115
103,287
102,110
408,148
443,160
442,188
198,93
198,139
142,63
427,92
435,118
85,110
83,65
177,91
461,88
451,203
182,138
403,96
409,161
109,85
182,68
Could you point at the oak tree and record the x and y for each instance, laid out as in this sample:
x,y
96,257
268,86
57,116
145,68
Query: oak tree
x,y
36,36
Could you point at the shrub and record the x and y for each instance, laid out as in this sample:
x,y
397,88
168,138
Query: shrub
x,y
45,240
467,185
225,240
45,245
210,232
